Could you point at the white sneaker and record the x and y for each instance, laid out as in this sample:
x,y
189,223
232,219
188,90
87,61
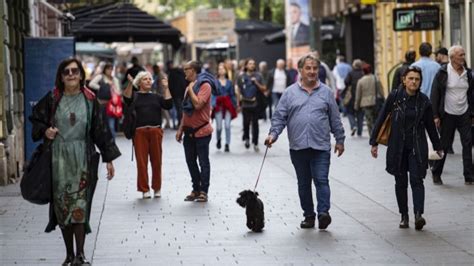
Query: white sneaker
x,y
158,194
146,195
255,148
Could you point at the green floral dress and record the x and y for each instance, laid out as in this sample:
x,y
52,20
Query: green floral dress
x,y
70,177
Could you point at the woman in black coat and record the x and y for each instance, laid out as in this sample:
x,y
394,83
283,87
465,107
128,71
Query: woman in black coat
x,y
69,118
407,149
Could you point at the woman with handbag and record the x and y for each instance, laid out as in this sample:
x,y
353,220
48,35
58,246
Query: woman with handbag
x,y
407,148
367,90
70,117
224,106
148,134
108,92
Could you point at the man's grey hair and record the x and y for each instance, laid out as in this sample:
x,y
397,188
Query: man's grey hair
x,y
303,59
139,76
453,49
282,61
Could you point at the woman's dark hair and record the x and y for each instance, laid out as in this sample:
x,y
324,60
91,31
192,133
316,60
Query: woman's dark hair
x,y
247,60
59,81
413,69
107,66
410,56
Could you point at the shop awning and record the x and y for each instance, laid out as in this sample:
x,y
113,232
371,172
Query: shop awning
x,y
121,22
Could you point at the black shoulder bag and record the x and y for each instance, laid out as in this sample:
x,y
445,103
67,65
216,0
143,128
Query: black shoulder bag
x,y
36,182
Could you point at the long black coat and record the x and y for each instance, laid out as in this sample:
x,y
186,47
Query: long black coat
x,y
99,135
396,103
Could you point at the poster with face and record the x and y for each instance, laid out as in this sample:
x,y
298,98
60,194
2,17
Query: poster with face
x,y
298,15
297,28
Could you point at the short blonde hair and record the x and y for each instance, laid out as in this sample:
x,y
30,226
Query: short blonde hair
x,y
139,76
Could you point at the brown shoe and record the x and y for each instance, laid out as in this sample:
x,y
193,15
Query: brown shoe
x,y
192,196
202,197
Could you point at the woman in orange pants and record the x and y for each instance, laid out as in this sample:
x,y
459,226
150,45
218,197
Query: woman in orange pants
x,y
148,135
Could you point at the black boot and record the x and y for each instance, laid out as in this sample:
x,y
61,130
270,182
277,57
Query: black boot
x,y
419,221
404,221
80,260
308,222
218,145
324,220
68,261
437,180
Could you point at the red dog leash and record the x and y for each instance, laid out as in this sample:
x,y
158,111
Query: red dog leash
x,y
261,167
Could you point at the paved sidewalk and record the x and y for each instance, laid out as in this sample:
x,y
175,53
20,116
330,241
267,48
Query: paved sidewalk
x,y
128,230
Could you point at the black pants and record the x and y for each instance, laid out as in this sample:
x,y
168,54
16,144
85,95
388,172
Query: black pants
x,y
251,116
449,123
409,165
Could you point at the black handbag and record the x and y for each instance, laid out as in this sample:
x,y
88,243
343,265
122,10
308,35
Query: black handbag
x,y
36,183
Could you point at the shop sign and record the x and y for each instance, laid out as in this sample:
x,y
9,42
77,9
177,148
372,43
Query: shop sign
x,y
417,18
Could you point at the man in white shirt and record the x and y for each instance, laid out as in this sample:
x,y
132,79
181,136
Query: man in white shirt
x,y
451,96
278,81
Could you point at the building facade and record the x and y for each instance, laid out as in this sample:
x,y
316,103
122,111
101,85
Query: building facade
x,y
20,18
369,33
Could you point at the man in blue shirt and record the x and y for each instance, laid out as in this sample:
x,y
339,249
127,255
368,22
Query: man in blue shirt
x,y
310,112
428,67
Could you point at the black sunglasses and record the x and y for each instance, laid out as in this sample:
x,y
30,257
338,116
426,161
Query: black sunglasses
x,y
74,71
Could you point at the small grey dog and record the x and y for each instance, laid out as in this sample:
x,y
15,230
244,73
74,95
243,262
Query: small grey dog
x,y
253,209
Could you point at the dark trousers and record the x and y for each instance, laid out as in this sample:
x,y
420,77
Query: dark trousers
x,y
250,116
312,165
197,149
449,123
409,165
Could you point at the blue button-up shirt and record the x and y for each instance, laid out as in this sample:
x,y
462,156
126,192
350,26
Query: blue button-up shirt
x,y
310,118
429,68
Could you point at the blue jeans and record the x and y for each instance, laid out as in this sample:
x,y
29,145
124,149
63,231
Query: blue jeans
x,y
227,118
111,122
312,165
198,149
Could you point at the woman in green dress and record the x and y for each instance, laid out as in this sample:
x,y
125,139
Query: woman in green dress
x,y
71,119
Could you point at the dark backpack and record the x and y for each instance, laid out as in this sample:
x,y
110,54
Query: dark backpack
x,y
129,118
104,91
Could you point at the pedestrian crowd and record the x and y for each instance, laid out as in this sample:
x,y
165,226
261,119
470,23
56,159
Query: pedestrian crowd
x,y
427,101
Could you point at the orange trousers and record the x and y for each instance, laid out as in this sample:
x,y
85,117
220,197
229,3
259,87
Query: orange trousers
x,y
148,142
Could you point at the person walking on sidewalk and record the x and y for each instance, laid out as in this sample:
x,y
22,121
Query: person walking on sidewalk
x,y
365,96
356,118
428,66
407,149
197,128
105,85
224,106
453,108
148,136
251,86
78,126
311,113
